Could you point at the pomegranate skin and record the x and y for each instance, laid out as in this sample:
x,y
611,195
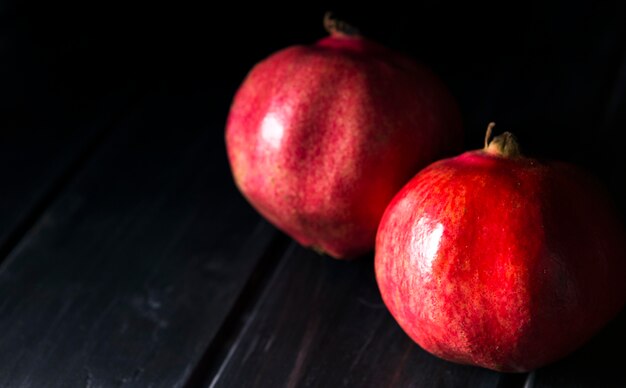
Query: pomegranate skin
x,y
503,263
321,137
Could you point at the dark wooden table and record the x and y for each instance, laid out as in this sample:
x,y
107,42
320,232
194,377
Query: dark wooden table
x,y
129,259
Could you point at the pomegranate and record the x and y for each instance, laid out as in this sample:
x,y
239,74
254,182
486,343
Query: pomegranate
x,y
321,137
498,260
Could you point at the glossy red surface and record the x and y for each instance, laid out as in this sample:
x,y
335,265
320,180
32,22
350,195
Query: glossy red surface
x,y
321,137
503,263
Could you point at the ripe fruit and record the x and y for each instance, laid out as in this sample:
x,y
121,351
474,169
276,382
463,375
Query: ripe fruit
x,y
321,137
499,260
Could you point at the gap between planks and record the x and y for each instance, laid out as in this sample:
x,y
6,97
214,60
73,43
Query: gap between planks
x,y
216,355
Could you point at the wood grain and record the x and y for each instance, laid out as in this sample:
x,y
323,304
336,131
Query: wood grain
x,y
127,277
322,323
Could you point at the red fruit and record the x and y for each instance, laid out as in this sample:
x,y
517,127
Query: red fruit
x,y
321,137
502,261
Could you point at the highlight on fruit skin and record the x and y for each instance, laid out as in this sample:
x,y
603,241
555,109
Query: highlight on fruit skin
x,y
495,259
320,137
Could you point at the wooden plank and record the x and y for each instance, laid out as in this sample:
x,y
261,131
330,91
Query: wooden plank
x,y
322,323
127,277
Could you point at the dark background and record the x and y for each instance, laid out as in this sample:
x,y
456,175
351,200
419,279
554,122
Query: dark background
x,y
551,72
111,141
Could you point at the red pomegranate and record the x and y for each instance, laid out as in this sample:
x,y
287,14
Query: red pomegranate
x,y
321,137
499,260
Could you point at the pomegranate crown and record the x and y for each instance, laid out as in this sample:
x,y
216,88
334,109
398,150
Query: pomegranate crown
x,y
502,145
